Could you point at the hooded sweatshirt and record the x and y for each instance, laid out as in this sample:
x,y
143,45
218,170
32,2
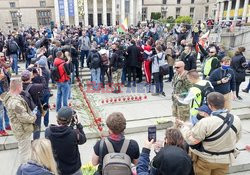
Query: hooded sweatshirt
x,y
32,168
65,141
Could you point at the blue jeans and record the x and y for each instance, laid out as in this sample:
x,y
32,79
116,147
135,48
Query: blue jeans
x,y
84,53
124,72
3,115
46,97
62,94
14,64
36,134
95,76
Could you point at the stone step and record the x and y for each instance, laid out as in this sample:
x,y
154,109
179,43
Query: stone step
x,y
133,126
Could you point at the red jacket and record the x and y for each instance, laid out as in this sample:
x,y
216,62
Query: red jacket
x,y
63,75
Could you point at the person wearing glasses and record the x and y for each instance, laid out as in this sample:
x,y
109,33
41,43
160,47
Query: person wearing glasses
x,y
211,63
181,86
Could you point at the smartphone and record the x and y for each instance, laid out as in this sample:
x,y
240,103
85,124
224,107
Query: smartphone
x,y
152,133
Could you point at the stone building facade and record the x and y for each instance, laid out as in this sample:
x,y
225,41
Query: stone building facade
x,y
197,9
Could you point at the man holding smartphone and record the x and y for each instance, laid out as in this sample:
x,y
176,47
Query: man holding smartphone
x,y
223,81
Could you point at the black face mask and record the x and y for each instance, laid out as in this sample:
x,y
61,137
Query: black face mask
x,y
199,117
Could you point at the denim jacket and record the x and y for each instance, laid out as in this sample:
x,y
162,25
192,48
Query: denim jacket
x,y
143,164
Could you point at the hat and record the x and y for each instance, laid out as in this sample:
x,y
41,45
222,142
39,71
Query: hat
x,y
65,113
25,75
41,63
204,108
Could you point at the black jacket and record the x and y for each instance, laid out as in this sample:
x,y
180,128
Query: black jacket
x,y
133,56
93,64
239,70
65,141
173,160
115,61
189,60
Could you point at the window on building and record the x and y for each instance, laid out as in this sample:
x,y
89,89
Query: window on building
x,y
44,17
12,5
192,1
144,13
206,12
178,12
207,1
42,3
178,1
14,19
192,12
164,1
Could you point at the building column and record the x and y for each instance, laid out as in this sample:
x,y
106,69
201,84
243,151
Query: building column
x,y
229,9
122,10
104,12
66,12
76,13
217,12
95,13
236,10
139,11
113,12
244,15
86,13
131,12
57,15
221,11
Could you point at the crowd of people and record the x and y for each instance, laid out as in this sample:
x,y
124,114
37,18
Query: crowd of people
x,y
204,146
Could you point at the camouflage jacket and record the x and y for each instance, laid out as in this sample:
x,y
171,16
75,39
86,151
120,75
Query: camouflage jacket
x,y
20,115
181,85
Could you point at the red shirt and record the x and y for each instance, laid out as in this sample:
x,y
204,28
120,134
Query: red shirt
x,y
63,75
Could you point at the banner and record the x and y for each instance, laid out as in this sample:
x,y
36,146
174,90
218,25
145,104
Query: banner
x,y
71,7
61,7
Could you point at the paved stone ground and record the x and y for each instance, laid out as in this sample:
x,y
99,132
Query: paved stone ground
x,y
139,114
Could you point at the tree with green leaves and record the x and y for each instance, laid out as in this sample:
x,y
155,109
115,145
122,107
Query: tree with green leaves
x,y
183,19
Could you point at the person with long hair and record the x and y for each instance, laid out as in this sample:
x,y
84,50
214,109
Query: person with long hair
x,y
172,159
41,162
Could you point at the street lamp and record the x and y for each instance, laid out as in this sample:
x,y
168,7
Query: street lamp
x,y
19,16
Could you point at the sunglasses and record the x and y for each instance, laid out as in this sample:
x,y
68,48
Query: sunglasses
x,y
211,52
177,67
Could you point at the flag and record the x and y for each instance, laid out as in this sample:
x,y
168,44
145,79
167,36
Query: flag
x,y
123,28
203,39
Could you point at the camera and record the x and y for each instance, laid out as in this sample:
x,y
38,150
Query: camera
x,y
74,120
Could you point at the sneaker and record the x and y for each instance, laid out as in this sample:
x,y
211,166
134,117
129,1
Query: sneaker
x,y
155,94
3,133
8,128
245,90
163,93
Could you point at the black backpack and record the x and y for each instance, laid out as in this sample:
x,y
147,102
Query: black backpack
x,y
27,97
95,60
13,47
205,90
55,73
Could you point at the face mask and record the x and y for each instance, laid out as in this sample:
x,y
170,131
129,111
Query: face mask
x,y
225,67
199,117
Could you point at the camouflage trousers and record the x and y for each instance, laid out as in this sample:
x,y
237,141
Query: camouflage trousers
x,y
116,78
180,111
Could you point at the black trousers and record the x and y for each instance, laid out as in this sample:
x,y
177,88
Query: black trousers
x,y
131,70
139,73
171,73
237,88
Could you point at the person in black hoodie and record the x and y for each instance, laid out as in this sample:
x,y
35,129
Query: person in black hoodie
x,y
65,140
172,159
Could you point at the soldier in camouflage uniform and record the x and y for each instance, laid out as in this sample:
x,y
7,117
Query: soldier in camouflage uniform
x,y
181,86
21,117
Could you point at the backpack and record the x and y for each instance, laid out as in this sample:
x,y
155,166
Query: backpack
x,y
163,69
55,73
27,97
13,47
104,58
95,60
116,163
205,90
